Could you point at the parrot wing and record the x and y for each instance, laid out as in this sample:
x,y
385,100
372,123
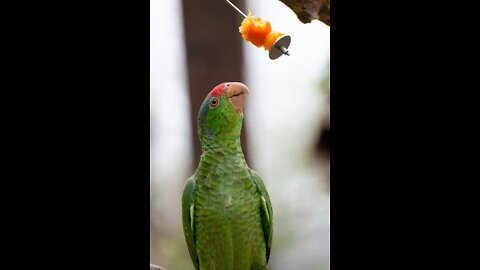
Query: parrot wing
x,y
265,211
188,200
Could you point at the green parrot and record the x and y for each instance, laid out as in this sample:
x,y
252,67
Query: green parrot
x,y
226,210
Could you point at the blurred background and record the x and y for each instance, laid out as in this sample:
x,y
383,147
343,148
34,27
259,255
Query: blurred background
x,y
195,45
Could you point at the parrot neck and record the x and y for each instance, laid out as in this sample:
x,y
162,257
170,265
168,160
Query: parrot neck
x,y
222,165
221,150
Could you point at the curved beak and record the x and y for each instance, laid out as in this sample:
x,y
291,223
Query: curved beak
x,y
237,94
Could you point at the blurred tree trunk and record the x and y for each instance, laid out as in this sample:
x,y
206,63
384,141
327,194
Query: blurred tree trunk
x,y
214,54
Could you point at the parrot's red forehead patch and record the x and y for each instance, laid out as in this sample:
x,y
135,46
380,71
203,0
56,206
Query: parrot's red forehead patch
x,y
218,90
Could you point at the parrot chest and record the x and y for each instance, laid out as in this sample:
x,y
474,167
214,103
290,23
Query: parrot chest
x,y
227,220
227,196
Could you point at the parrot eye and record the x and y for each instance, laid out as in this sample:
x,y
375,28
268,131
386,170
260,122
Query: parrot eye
x,y
214,102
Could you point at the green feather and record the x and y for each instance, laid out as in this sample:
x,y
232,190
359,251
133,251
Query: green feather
x,y
187,211
266,212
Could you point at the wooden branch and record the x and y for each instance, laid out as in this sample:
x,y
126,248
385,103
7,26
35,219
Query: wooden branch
x,y
308,10
156,267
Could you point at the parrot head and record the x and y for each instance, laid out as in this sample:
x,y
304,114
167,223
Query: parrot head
x,y
221,113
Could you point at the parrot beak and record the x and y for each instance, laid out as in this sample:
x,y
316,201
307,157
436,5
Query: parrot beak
x,y
237,94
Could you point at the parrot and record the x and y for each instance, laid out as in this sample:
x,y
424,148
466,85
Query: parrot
x,y
227,215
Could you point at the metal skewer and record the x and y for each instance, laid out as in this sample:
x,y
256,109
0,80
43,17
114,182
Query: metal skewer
x,y
231,4
280,46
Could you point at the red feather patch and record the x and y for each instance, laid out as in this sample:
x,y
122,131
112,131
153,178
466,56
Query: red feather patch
x,y
218,90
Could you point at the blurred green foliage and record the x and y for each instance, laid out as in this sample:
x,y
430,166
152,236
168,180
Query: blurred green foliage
x,y
324,84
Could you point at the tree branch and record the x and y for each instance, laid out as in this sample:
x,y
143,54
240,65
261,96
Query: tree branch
x,y
308,10
156,267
